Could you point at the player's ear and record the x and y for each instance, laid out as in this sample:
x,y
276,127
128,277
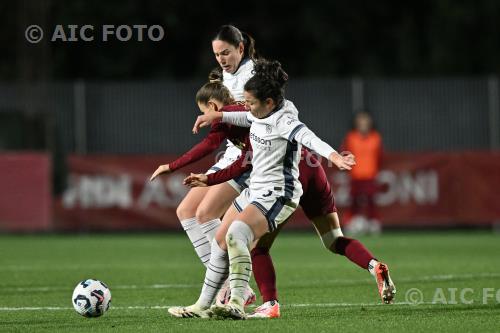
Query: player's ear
x,y
213,106
269,103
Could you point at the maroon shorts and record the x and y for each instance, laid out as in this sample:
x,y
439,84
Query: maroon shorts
x,y
317,199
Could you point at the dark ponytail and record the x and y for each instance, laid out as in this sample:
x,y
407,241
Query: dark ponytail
x,y
232,35
249,44
215,74
269,81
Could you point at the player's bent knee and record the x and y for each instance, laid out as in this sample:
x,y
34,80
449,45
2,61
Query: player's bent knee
x,y
185,211
204,214
239,231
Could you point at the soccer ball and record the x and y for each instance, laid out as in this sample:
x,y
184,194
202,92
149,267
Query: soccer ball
x,y
91,298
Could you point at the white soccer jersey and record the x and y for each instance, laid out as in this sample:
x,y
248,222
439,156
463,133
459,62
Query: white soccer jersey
x,y
276,142
236,82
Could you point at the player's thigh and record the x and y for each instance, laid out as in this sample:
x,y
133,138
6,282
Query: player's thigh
x,y
254,218
216,202
326,223
229,217
188,206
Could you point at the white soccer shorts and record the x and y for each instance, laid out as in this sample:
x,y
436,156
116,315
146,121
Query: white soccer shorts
x,y
276,208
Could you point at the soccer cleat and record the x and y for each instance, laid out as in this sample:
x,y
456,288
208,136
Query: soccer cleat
x,y
270,309
224,295
228,311
191,311
386,287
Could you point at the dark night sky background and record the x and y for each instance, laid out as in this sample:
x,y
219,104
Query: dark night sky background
x,y
312,39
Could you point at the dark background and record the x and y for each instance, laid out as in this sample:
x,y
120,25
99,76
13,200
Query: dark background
x,y
318,39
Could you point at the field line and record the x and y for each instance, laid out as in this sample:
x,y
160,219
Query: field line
x,y
429,278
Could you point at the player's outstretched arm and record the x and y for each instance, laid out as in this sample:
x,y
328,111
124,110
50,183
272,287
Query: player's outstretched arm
x,y
161,169
307,137
208,145
206,120
235,118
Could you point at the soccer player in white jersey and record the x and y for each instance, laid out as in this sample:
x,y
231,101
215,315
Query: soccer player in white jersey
x,y
276,136
201,209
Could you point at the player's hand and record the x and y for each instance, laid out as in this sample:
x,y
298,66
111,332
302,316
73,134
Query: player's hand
x,y
350,156
206,120
196,180
161,169
343,162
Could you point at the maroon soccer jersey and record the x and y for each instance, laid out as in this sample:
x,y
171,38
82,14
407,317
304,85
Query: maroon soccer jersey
x,y
218,133
317,198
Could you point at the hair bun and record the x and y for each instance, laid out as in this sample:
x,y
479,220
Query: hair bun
x,y
271,71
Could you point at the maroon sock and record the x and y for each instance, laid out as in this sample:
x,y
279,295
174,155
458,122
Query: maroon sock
x,y
263,271
353,250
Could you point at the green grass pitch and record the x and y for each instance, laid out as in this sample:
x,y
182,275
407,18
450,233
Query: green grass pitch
x,y
319,291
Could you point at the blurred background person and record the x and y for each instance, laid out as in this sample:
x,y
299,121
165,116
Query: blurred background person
x,y
365,142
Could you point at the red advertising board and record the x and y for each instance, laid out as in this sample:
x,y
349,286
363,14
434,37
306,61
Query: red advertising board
x,y
25,196
432,189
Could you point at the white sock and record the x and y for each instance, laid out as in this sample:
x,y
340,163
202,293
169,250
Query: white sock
x,y
217,271
239,238
371,266
198,239
210,228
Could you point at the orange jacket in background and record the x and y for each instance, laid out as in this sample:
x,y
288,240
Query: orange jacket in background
x,y
368,152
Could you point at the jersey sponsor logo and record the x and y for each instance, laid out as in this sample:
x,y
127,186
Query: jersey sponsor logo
x,y
259,140
259,143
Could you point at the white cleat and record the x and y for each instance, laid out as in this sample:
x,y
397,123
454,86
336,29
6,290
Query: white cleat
x,y
268,310
191,311
228,311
